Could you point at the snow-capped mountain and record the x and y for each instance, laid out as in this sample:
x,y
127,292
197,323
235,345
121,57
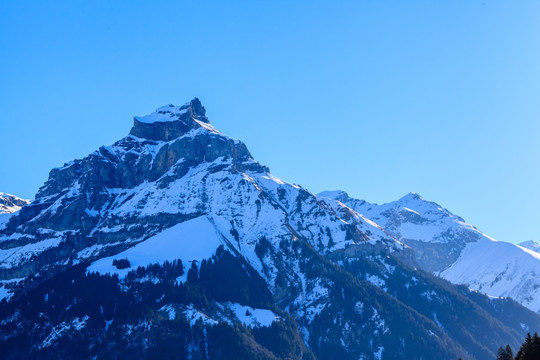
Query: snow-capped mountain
x,y
199,251
446,245
174,167
11,203
531,245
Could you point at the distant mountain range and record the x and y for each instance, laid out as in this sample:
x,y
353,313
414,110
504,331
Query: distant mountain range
x,y
175,243
445,245
531,245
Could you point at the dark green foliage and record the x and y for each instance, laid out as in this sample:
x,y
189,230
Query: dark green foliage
x,y
225,277
121,263
474,321
505,354
168,271
126,318
262,247
193,274
404,334
530,350
122,318
282,339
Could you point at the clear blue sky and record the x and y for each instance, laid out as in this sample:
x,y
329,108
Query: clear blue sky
x,y
378,98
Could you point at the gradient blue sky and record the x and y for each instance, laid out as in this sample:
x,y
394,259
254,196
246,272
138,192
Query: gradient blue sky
x,y
378,98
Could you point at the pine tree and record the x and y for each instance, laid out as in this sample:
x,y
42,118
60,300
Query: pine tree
x,y
193,274
505,354
530,350
509,353
535,347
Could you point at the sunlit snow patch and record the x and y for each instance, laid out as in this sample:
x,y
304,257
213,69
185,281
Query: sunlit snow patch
x,y
191,240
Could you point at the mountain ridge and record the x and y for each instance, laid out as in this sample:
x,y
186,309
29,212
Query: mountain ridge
x,y
446,245
181,229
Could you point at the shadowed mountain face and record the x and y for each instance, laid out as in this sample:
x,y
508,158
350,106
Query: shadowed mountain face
x,y
446,245
198,251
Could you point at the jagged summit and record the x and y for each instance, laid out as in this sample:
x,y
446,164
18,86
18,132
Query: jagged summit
x,y
411,196
334,194
11,203
170,122
184,233
531,245
342,196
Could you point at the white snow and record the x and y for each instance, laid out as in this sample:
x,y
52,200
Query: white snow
x,y
58,331
171,311
531,245
377,355
193,315
411,218
496,268
163,114
375,280
7,205
253,317
15,256
5,293
192,240
499,268
226,312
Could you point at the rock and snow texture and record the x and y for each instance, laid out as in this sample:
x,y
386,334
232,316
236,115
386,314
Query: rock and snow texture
x,y
173,167
11,203
227,311
192,240
448,246
499,268
531,245
174,170
177,188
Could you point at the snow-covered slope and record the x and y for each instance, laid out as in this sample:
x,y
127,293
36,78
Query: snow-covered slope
x,y
11,203
448,246
436,235
177,188
531,245
166,172
178,221
499,268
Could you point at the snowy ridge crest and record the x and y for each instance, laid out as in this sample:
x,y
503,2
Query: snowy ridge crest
x,y
446,245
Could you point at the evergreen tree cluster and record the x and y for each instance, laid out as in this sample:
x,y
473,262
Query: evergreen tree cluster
x,y
121,318
505,353
529,350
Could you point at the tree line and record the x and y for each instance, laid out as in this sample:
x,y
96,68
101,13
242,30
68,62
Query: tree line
x,y
529,350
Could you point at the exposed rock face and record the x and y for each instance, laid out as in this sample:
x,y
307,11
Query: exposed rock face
x,y
173,166
436,235
11,203
531,245
176,189
170,122
446,245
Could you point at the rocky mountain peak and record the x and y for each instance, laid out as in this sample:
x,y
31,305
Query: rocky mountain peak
x,y
169,122
531,245
197,110
412,196
339,195
11,203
